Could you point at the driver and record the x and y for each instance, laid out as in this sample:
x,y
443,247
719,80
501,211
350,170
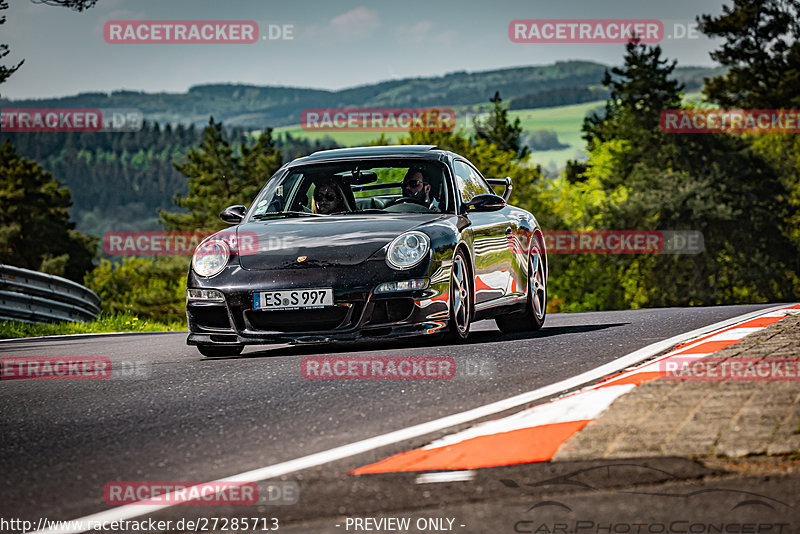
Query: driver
x,y
417,186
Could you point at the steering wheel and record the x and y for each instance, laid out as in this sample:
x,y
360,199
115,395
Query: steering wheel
x,y
403,200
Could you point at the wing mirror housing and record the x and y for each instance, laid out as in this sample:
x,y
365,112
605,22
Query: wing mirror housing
x,y
233,214
484,203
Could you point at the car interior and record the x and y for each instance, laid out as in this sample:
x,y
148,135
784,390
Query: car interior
x,y
368,189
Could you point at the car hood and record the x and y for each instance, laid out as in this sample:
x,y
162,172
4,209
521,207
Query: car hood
x,y
335,240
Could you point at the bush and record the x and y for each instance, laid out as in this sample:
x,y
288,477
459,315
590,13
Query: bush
x,y
153,289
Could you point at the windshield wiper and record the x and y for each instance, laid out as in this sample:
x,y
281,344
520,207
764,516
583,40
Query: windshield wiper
x,y
369,210
260,216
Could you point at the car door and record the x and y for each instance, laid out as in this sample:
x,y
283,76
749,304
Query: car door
x,y
491,232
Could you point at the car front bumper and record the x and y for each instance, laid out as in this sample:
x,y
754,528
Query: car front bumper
x,y
358,312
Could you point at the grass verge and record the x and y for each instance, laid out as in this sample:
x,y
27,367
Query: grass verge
x,y
106,323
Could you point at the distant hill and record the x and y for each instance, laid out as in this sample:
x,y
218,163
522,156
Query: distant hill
x,y
253,106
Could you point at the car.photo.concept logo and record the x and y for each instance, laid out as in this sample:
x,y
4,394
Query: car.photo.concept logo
x,y
703,508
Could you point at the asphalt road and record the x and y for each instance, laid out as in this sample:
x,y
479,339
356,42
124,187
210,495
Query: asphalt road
x,y
195,419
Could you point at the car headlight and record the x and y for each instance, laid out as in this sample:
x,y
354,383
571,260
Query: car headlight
x,y
210,257
408,250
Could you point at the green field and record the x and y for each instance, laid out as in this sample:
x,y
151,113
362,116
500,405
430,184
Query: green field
x,y
566,121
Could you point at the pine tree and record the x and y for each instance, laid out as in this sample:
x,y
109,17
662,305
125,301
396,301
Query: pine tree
x,y
35,231
6,72
639,92
75,5
218,177
762,50
500,131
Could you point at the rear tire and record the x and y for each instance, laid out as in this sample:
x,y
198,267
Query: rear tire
x,y
535,312
460,299
220,351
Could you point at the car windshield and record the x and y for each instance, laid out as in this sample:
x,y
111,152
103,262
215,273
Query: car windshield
x,y
373,186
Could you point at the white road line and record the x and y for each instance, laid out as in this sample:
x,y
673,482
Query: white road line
x,y
57,337
445,476
129,511
735,334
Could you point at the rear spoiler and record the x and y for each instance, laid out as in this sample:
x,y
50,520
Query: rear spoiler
x,y
504,182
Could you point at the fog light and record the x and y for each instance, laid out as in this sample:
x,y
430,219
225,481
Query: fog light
x,y
403,285
208,295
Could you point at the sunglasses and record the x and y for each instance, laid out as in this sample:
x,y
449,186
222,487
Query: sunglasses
x,y
413,183
330,197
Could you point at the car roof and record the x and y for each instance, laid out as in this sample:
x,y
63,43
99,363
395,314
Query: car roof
x,y
424,151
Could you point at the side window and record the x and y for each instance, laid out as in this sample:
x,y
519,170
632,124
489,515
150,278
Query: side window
x,y
469,182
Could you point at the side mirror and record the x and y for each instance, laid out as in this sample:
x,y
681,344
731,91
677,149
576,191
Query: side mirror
x,y
484,203
233,214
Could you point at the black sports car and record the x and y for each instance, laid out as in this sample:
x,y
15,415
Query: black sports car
x,y
367,242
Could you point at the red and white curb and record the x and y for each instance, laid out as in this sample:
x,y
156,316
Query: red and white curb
x,y
535,434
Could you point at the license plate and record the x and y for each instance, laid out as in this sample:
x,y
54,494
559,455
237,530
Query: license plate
x,y
292,299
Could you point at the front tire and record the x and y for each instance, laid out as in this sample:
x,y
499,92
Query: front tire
x,y
536,310
220,351
460,299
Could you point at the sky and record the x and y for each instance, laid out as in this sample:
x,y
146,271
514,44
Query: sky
x,y
336,43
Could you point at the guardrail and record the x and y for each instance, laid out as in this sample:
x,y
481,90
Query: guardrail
x,y
35,297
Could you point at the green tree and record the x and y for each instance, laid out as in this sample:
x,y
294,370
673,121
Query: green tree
x,y
76,5
152,288
500,131
219,177
639,92
6,72
761,49
715,183
35,231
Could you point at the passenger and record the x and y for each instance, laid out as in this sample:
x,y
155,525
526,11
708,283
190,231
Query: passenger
x,y
328,199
